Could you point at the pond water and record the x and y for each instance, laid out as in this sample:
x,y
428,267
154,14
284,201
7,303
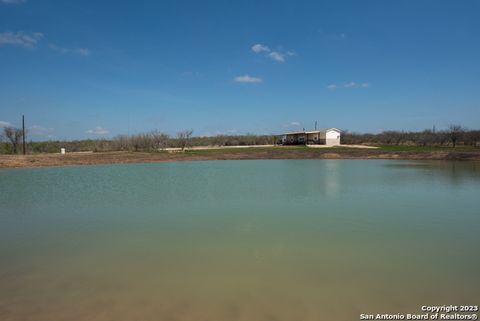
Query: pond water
x,y
238,240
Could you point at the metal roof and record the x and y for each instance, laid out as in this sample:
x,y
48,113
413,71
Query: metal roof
x,y
313,131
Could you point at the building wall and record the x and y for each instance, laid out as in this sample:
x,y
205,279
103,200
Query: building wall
x,y
295,139
332,138
313,138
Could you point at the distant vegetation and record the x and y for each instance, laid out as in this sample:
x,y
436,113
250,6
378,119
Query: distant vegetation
x,y
453,136
13,137
155,141
144,142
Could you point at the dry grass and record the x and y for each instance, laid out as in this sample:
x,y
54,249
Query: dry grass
x,y
73,159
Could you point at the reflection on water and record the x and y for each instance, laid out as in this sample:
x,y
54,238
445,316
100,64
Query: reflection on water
x,y
238,240
456,172
331,181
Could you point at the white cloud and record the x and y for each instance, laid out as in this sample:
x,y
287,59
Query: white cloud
x,y
82,51
351,84
20,38
277,55
57,48
76,51
12,1
257,48
97,131
5,124
248,79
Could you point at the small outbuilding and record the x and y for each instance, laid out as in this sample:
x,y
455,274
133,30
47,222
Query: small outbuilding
x,y
325,136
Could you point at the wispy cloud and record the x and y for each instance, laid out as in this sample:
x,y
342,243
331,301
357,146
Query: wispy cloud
x,y
248,79
11,1
20,38
277,55
76,51
82,51
97,131
257,48
351,84
41,131
293,124
5,124
333,36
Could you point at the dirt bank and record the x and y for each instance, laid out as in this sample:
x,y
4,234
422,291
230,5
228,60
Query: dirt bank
x,y
71,159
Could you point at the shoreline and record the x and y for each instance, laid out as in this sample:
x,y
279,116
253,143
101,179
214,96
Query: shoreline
x,y
96,158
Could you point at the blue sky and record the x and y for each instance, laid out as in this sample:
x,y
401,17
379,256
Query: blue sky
x,y
89,69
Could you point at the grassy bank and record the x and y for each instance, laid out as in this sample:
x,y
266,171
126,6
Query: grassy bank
x,y
280,152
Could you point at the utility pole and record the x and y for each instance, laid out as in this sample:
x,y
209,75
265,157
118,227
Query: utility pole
x,y
315,125
23,134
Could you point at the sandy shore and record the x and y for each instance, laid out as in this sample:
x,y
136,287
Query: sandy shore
x,y
73,159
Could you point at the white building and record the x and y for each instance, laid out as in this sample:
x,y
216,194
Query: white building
x,y
325,136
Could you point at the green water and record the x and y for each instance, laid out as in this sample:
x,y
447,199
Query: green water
x,y
238,240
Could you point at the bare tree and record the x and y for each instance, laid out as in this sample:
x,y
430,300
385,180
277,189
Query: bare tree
x,y
14,136
184,137
159,140
2,141
454,132
472,137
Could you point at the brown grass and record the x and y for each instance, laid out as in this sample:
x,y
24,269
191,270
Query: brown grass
x,y
73,159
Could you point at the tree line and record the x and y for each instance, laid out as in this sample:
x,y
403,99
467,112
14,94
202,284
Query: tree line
x,y
453,136
10,140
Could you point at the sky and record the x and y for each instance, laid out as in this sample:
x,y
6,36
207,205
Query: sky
x,y
94,69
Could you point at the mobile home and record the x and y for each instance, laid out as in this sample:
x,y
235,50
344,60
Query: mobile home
x,y
326,136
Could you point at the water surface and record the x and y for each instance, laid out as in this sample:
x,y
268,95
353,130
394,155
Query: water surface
x,y
238,240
